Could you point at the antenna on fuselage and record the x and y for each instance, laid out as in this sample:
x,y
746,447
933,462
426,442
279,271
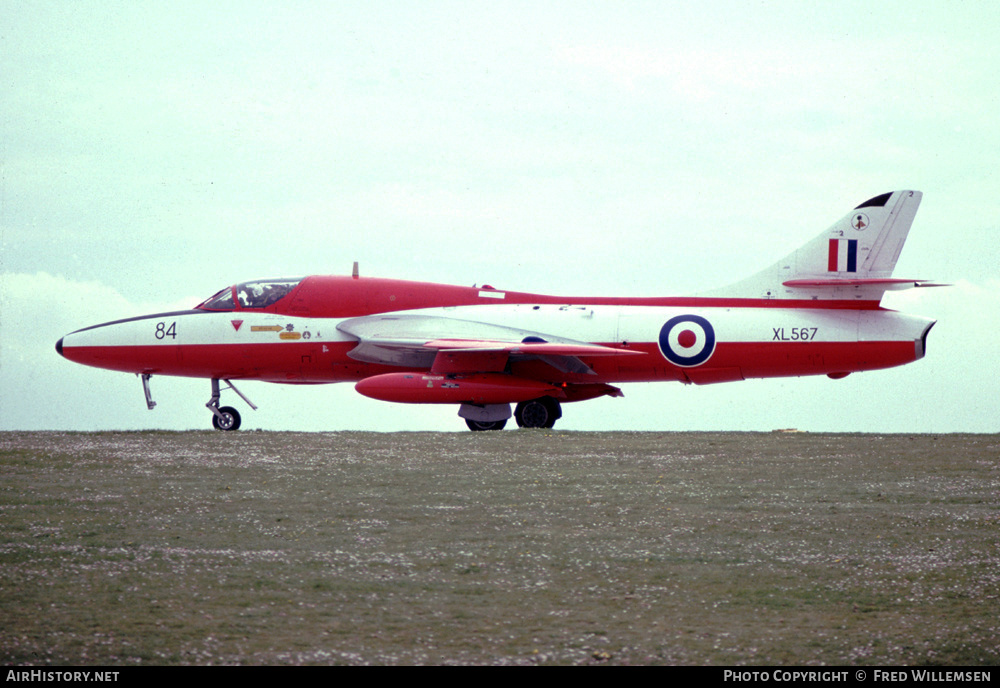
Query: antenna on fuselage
x,y
354,272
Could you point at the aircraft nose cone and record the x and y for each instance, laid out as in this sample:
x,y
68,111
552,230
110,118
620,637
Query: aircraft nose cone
x,y
59,346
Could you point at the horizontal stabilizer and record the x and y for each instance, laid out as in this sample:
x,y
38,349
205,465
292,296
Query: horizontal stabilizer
x,y
883,284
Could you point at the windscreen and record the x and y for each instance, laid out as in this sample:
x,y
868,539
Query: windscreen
x,y
222,301
257,294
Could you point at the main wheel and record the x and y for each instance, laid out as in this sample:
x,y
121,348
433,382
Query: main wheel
x,y
230,419
537,413
485,425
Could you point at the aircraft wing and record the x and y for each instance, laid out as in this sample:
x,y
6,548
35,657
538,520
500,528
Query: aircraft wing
x,y
450,345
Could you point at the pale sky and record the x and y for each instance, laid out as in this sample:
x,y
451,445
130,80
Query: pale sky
x,y
153,153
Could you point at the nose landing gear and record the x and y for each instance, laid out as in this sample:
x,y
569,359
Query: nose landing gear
x,y
225,418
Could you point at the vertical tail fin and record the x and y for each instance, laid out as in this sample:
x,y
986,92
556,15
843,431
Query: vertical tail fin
x,y
853,259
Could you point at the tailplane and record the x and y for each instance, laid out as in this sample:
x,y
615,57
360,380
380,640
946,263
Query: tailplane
x,y
852,260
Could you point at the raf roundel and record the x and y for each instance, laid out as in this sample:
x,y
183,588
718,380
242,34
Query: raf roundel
x,y
687,340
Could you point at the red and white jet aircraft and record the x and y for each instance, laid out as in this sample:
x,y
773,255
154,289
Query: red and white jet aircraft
x,y
815,312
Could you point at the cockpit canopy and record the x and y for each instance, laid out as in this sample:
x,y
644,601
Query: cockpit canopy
x,y
249,295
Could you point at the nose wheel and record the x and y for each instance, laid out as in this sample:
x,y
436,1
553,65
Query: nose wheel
x,y
226,417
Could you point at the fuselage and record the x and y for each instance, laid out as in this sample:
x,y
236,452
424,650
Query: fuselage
x,y
294,338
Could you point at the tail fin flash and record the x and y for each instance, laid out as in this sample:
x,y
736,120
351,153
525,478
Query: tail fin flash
x,y
853,259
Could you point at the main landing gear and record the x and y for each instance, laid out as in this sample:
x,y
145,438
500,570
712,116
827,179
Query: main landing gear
x,y
536,413
226,417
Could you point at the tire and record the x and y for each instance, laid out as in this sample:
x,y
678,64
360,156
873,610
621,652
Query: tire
x,y
230,422
476,425
537,413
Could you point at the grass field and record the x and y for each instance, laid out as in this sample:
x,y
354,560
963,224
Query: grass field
x,y
516,547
